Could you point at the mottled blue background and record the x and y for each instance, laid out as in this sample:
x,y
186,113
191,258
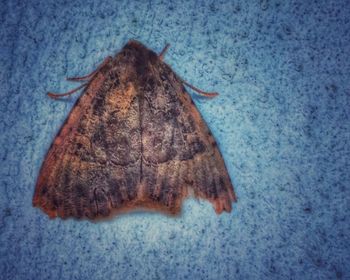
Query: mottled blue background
x,y
282,121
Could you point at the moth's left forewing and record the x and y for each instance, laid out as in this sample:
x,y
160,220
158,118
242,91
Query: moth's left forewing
x,y
92,167
51,170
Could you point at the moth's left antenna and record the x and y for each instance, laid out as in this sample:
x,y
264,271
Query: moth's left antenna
x,y
80,79
58,95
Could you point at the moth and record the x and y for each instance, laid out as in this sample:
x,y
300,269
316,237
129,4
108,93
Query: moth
x,y
133,140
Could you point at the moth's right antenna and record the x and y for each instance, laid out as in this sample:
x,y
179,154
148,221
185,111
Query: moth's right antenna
x,y
162,53
199,91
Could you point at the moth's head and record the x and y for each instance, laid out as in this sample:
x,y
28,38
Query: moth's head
x,y
134,44
137,49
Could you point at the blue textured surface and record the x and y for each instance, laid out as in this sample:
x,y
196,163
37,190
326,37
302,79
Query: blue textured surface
x,y
282,122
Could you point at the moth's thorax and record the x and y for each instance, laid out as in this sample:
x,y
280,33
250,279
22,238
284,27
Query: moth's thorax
x,y
135,64
120,99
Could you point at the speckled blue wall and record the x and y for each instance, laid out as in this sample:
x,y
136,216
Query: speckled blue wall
x,y
282,121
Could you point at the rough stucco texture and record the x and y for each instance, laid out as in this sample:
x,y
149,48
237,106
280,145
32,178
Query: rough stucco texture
x,y
282,121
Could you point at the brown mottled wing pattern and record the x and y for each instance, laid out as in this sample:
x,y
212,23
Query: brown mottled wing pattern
x,y
179,152
93,164
133,139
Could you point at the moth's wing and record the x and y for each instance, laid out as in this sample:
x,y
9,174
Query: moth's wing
x,y
92,167
179,151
